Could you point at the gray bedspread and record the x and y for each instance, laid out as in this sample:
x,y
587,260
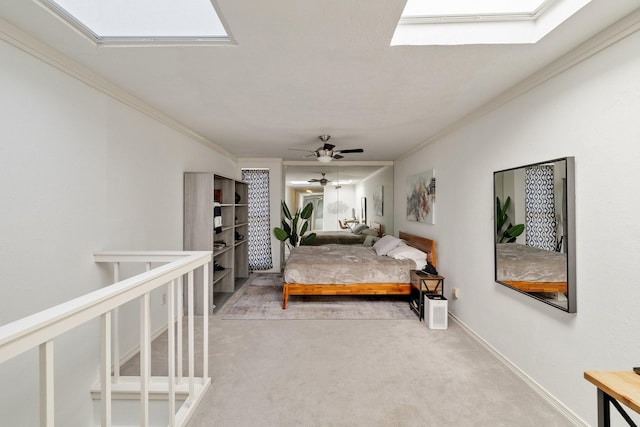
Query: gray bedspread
x,y
515,262
343,264
337,237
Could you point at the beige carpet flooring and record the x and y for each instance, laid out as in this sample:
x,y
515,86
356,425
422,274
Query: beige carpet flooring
x,y
373,373
261,299
360,373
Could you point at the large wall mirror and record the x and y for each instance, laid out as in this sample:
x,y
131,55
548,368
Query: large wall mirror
x,y
535,231
338,192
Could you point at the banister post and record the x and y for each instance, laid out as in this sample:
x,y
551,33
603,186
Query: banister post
x,y
105,369
145,356
46,385
116,329
171,348
180,308
190,337
205,320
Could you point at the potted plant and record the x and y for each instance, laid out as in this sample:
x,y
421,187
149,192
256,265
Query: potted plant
x,y
512,231
295,226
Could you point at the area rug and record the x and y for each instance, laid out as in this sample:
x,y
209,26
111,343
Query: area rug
x,y
261,299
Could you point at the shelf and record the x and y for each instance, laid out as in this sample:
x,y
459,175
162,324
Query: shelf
x,y
240,242
201,191
221,251
219,275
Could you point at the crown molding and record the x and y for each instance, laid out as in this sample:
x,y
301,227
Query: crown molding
x,y
39,50
338,163
606,38
265,160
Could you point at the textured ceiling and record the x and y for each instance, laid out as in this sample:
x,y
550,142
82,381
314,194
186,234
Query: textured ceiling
x,y
305,68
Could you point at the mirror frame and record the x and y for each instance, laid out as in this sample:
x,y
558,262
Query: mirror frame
x,y
570,235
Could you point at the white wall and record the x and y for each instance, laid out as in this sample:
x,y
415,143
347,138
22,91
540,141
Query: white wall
x,y
338,204
590,112
79,172
275,195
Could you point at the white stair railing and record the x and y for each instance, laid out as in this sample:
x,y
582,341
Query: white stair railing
x,y
40,329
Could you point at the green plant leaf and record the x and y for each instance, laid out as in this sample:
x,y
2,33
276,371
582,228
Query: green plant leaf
x,y
308,238
307,211
506,205
515,231
501,212
286,227
293,226
280,234
286,211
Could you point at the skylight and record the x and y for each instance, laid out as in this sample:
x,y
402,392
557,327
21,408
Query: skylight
x,y
466,7
113,21
454,22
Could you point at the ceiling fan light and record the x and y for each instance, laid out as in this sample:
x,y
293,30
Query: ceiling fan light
x,y
324,159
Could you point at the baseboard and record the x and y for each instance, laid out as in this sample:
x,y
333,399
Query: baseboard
x,y
569,414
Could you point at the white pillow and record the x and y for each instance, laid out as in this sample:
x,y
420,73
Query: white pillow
x,y
385,244
408,252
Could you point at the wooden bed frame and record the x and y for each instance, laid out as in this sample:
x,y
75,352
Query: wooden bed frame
x,y
555,287
425,245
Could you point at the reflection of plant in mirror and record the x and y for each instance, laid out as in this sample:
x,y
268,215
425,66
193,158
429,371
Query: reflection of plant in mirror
x,y
292,229
512,231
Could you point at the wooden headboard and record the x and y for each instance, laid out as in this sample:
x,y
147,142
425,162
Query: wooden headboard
x,y
425,245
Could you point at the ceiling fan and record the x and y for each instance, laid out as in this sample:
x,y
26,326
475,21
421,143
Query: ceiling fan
x,y
326,153
323,181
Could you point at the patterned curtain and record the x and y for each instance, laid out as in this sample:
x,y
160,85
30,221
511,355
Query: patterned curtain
x,y
540,215
259,240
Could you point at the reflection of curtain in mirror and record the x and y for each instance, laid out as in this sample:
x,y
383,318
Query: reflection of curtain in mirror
x,y
540,218
259,239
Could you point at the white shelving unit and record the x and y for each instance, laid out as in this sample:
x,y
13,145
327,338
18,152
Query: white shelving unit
x,y
201,192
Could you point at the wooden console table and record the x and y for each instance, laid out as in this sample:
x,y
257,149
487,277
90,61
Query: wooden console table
x,y
614,387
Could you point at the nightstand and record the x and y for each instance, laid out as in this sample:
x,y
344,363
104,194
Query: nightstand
x,y
423,284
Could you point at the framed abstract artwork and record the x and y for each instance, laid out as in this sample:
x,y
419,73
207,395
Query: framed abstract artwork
x,y
378,205
421,197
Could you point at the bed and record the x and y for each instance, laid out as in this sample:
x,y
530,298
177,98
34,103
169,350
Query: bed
x,y
531,269
350,270
346,237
